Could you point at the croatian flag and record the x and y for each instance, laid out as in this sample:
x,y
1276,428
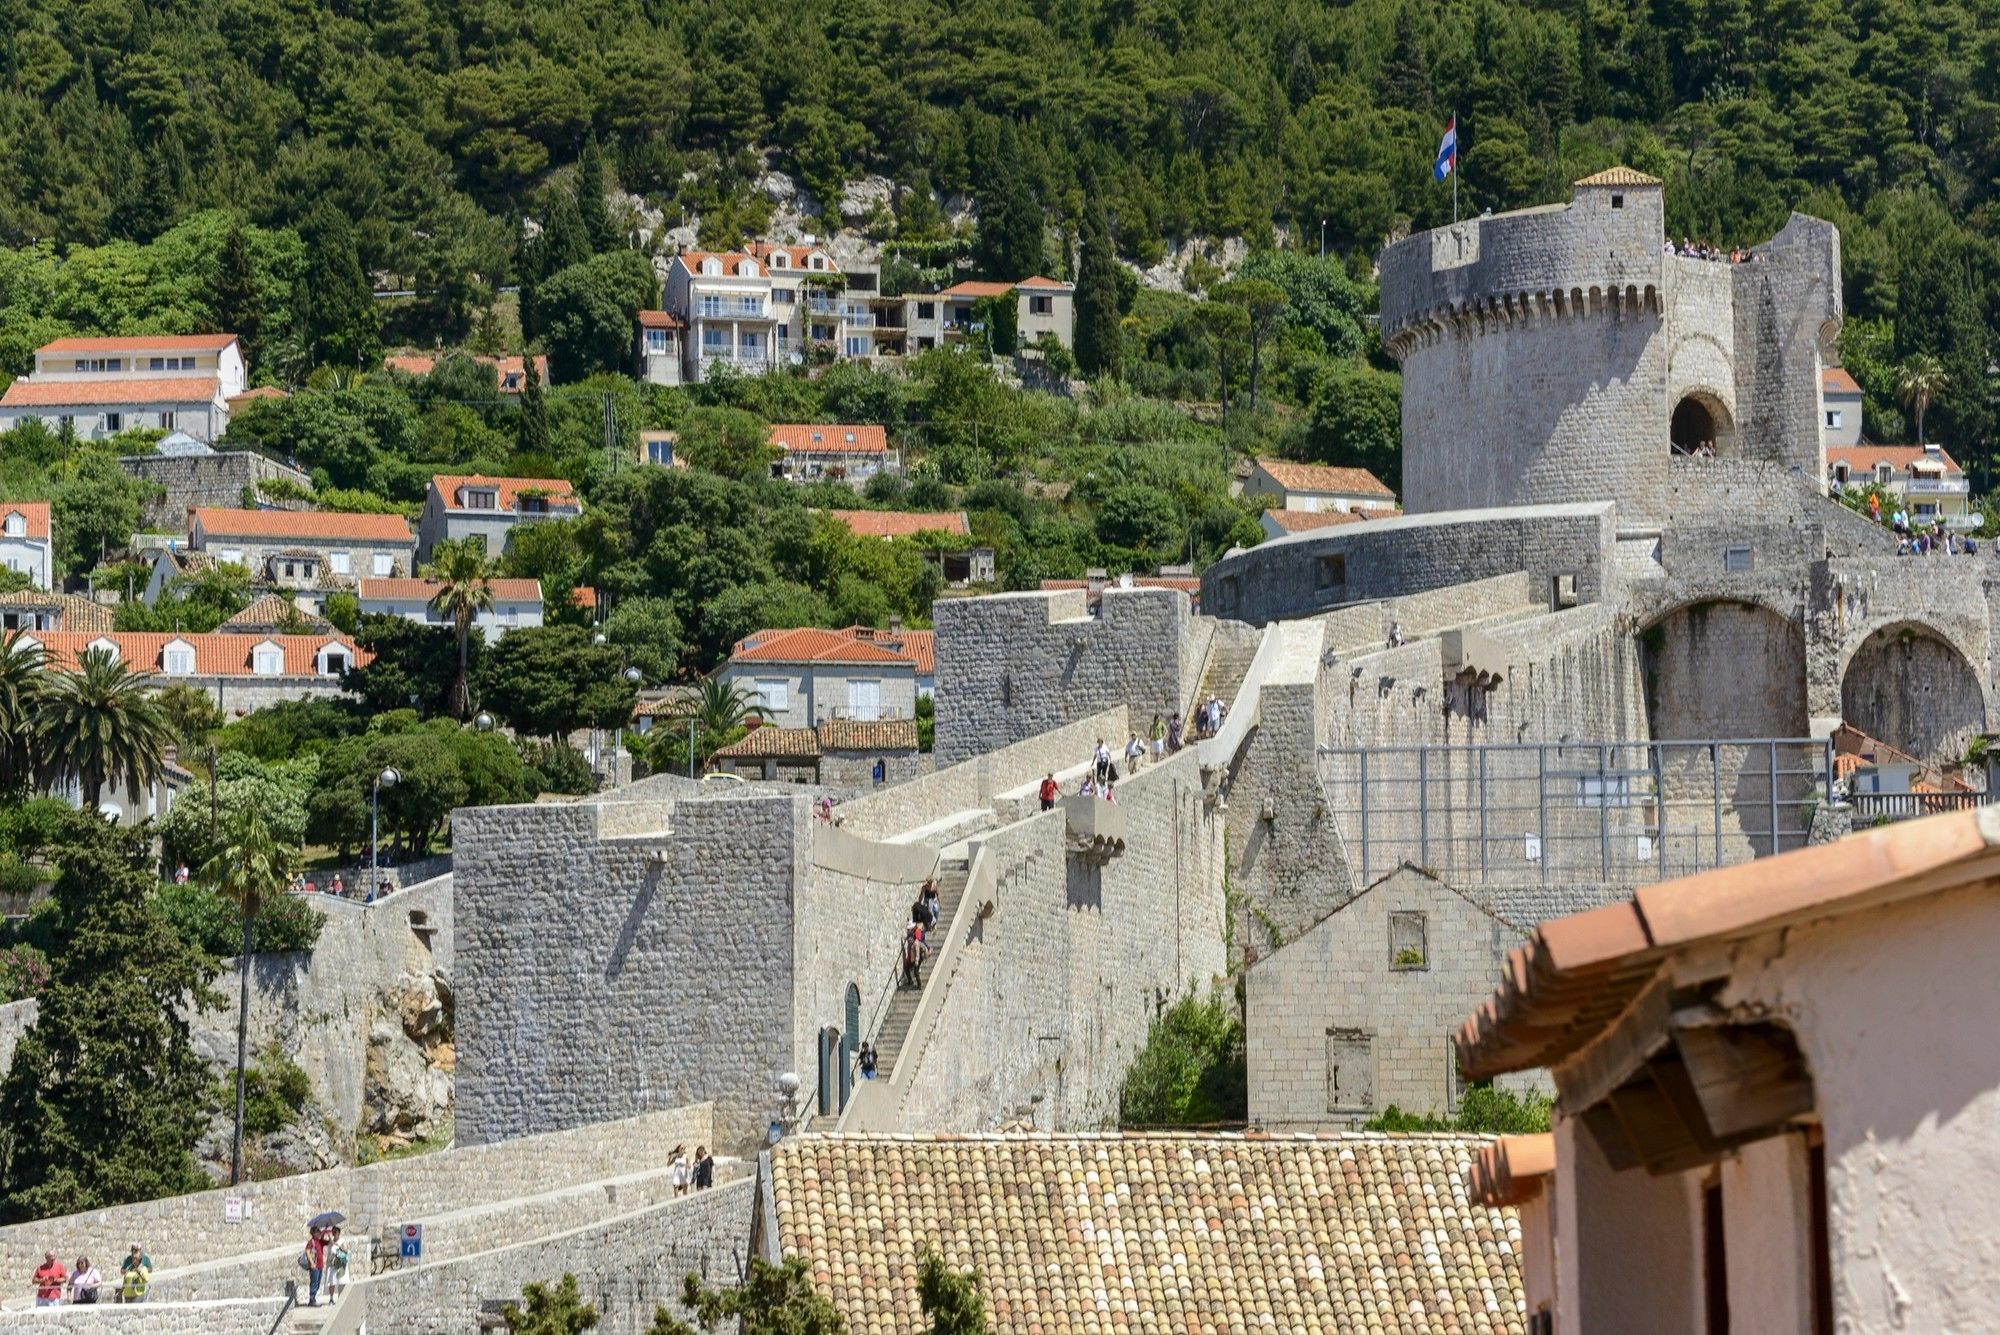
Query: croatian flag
x,y
1447,151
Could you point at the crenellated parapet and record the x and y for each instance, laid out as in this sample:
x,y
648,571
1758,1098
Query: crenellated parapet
x,y
1501,312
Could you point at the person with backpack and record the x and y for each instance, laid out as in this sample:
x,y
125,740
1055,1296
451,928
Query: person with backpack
x,y
868,1061
1050,789
913,956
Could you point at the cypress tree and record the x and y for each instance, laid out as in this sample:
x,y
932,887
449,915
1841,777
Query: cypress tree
x,y
1098,350
1591,97
234,296
532,436
106,1098
598,229
341,324
1010,219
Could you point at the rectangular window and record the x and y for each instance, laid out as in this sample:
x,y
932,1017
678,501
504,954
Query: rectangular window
x,y
660,452
656,341
1833,418
927,310
482,500
774,695
1736,560
269,662
1332,571
864,700
384,564
1350,1071
714,339
167,421
341,563
158,364
534,505
857,347
784,296
1407,946
180,662
1714,1259
1041,305
1618,201
114,421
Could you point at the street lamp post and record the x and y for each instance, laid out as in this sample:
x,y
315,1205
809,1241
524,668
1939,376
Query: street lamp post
x,y
634,676
388,778
597,733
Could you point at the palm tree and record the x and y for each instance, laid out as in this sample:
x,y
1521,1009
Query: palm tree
x,y
721,708
100,722
252,864
461,565
1920,380
23,688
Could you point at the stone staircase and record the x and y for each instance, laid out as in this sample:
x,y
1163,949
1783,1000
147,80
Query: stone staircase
x,y
1222,674
895,1030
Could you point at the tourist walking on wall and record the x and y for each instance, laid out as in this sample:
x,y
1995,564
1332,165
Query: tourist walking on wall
x,y
50,1277
1135,751
1050,790
1174,731
683,1171
933,907
135,1274
867,1061
336,1264
704,1168
913,956
84,1282
313,1260
1100,760
1157,734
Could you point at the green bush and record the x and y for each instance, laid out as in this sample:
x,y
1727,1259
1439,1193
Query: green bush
x,y
24,971
1191,1071
275,1090
205,919
1482,1110
555,768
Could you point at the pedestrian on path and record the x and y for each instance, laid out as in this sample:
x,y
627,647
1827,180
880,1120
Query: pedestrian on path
x,y
1158,735
84,1282
314,1261
1174,730
913,956
135,1274
1101,760
704,1168
933,907
1050,790
1135,751
683,1171
336,1258
50,1279
868,1061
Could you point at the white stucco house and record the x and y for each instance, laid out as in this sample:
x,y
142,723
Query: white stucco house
x,y
27,541
98,387
516,603
489,508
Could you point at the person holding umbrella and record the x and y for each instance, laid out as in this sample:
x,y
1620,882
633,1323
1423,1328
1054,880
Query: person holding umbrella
x,y
313,1259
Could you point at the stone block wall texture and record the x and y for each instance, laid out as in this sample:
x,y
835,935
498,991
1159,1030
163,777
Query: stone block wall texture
x,y
181,1231
1054,990
1360,627
205,480
605,971
1016,665
1335,993
257,1316
16,1018
625,1266
1788,309
1395,558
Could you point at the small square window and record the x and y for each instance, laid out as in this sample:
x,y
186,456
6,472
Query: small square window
x,y
1408,949
1618,201
1333,571
1736,560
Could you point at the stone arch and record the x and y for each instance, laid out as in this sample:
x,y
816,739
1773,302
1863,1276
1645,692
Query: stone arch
x,y
1908,684
1724,668
1700,419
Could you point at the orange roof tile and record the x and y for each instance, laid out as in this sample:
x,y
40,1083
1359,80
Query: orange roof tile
x,y
1863,458
810,645
1301,521
236,401
1358,1232
424,590
584,597
65,393
267,612
35,514
1324,477
1576,974
766,743
1513,1169
216,654
798,259
660,320
300,525
975,288
507,371
1835,380
141,343
1618,176
448,486
829,438
889,734
1039,281
901,523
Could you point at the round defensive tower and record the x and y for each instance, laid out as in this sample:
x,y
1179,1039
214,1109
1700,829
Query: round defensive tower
x,y
1559,354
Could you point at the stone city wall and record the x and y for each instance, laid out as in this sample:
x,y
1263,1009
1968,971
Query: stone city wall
x,y
214,480
1322,569
1364,626
258,1316
625,1267
620,957
1053,992
1788,310
1015,666
180,1231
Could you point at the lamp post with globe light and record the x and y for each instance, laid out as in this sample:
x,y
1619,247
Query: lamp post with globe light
x,y
388,778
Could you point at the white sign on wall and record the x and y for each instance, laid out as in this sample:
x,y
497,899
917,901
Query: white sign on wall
x,y
235,1209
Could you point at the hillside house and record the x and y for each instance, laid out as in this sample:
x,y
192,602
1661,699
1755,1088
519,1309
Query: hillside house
x,y
811,451
757,308
657,351
800,678
1317,488
28,541
1276,523
1041,306
490,509
960,564
1840,408
308,552
1926,482
239,673
658,448
98,387
510,374
516,603
38,609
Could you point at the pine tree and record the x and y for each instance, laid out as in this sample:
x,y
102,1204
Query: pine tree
x,y
341,324
598,229
1652,80
1011,242
106,1098
1406,73
1098,347
533,434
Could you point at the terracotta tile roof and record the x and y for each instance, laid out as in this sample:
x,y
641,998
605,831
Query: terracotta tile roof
x,y
1050,283
828,438
1576,974
768,743
901,523
507,371
1324,477
268,611
1185,583
1512,1169
1090,1233
35,514
676,704
660,320
889,734
798,259
1618,176
67,393
976,288
1835,380
216,654
75,611
300,525
810,645
448,486
1863,458
423,590
141,343
584,597
1301,521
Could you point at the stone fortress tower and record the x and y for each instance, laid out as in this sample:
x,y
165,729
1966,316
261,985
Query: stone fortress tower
x,y
1559,354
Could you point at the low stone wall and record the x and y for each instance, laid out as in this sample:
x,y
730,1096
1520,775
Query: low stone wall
x,y
16,1018
1366,626
625,1267
203,479
180,1231
257,1316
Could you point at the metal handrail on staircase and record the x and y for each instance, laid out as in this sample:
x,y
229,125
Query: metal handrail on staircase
x,y
874,1024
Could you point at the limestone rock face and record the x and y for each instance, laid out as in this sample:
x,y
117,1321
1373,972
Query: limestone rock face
x,y
408,1090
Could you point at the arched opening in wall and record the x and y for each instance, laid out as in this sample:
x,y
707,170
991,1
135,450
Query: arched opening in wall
x,y
828,1102
1729,677
1908,686
1701,426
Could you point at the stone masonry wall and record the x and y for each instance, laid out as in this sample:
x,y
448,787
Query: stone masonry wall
x,y
1053,993
16,1018
205,480
1015,665
1336,997
252,1317
617,958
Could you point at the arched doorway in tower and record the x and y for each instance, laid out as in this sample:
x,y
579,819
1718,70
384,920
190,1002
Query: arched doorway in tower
x,y
1702,424
1908,686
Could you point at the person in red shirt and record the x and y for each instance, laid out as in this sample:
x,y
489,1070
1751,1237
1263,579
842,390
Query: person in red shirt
x,y
1049,791
50,1276
315,1264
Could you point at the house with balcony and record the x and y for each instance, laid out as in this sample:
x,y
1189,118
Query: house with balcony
x,y
306,553
28,541
1926,482
813,451
510,374
1042,306
801,678
490,509
658,348
98,387
755,308
1840,408
516,603
951,549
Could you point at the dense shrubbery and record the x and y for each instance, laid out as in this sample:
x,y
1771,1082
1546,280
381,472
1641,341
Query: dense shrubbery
x,y
211,923
1482,1110
1191,1071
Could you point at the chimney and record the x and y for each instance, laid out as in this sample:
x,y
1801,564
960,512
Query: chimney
x,y
895,621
